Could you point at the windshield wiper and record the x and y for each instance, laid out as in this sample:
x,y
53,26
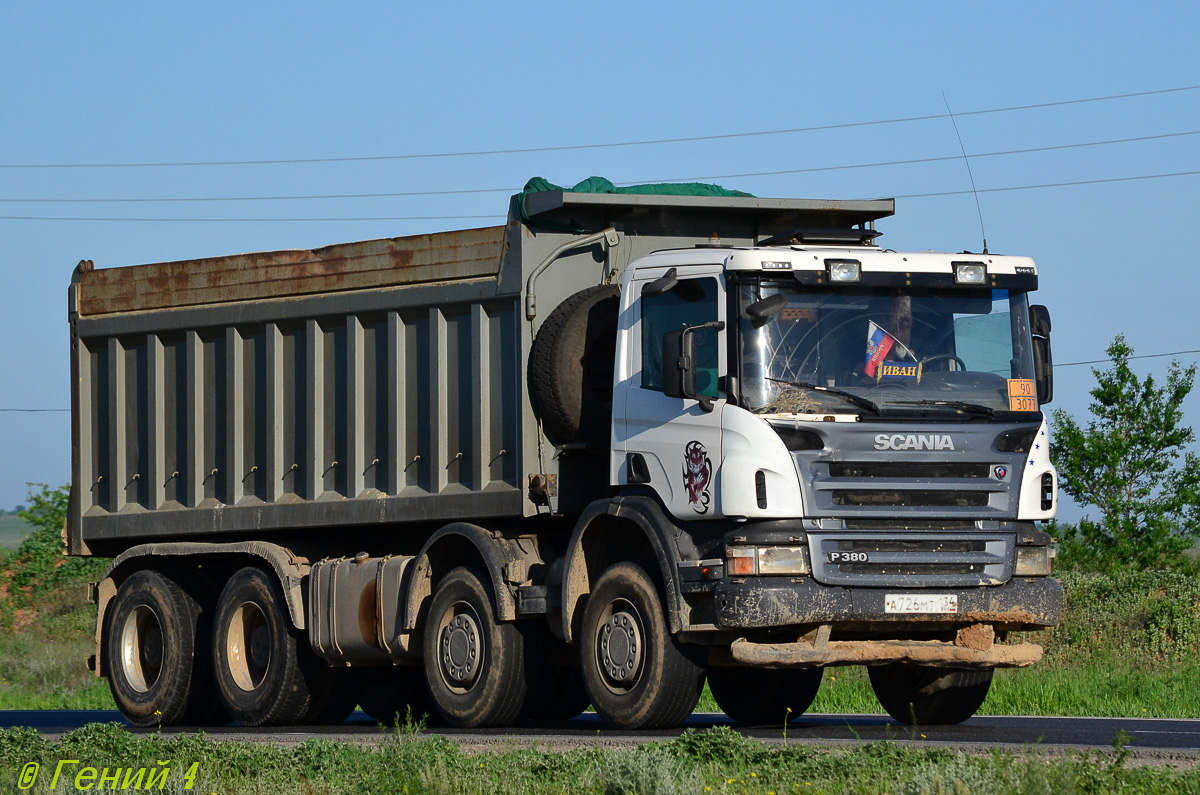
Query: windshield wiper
x,y
961,405
853,398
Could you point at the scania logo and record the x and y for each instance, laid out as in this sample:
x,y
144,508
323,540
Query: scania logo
x,y
914,441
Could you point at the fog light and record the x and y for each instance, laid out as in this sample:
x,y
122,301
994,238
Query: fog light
x,y
844,270
741,561
970,273
1032,562
782,560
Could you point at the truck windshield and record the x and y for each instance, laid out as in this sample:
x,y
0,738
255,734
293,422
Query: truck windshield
x,y
875,351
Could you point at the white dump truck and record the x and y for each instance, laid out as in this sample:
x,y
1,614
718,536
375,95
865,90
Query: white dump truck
x,y
623,444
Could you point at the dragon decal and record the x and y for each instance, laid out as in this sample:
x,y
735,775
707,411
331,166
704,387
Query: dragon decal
x,y
697,476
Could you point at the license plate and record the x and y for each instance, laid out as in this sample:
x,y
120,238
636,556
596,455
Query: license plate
x,y
920,603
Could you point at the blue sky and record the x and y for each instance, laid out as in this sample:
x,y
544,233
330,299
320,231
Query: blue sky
x,y
88,83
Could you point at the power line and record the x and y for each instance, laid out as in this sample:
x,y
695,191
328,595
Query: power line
x,y
611,145
496,217
252,220
1047,185
1143,356
404,194
922,160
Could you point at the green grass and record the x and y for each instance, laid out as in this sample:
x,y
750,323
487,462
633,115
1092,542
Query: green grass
x,y
712,761
12,531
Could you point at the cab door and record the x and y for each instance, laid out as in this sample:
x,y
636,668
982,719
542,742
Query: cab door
x,y
678,442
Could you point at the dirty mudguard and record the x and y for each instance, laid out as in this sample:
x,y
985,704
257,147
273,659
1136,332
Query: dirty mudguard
x,y
764,602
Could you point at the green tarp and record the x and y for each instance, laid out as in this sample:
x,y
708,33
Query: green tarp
x,y
602,185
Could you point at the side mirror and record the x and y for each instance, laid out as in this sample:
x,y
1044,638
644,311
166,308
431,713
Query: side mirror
x,y
1043,358
679,363
764,308
663,284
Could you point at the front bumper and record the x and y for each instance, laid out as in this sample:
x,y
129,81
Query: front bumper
x,y
769,602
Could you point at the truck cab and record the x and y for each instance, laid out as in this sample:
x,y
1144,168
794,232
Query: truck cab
x,y
861,430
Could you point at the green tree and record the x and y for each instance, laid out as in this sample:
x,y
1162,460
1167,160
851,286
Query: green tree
x,y
1130,462
41,560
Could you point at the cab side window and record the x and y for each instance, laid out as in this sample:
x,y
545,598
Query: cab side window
x,y
691,303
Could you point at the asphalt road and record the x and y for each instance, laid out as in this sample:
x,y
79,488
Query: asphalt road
x,y
1173,738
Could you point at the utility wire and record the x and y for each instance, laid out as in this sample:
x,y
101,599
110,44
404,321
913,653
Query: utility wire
x,y
404,194
921,160
253,220
1064,364
1143,356
612,145
494,216
1049,185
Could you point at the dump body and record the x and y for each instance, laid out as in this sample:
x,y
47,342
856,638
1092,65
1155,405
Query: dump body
x,y
364,384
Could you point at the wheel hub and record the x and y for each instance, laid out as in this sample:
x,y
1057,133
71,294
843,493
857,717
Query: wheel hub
x,y
141,648
620,649
460,649
260,647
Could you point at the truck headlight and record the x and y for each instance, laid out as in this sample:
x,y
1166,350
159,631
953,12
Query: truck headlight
x,y
1032,562
782,560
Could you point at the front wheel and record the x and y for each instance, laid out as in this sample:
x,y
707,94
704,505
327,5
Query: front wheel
x,y
764,695
920,695
637,674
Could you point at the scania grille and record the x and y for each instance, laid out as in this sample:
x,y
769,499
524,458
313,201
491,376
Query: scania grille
x,y
921,489
905,498
911,560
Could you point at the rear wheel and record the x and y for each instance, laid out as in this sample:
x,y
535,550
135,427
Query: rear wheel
x,y
266,675
149,642
927,696
474,664
637,674
764,695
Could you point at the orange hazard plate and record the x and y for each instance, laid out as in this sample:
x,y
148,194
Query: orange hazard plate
x,y
1022,395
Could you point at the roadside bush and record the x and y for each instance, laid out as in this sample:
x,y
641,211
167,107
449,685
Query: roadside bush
x,y
40,564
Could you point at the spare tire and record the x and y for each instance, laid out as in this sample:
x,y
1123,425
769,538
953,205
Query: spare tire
x,y
571,366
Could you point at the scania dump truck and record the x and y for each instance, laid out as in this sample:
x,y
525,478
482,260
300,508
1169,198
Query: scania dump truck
x,y
619,446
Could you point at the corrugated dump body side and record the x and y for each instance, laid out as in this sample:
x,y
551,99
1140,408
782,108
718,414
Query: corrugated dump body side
x,y
297,389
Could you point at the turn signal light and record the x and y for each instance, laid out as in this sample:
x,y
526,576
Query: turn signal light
x,y
741,561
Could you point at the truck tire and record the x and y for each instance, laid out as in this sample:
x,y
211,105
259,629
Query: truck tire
x,y
919,695
637,674
393,696
149,642
265,672
761,696
474,665
571,366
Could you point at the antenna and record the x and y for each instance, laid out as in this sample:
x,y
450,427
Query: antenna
x,y
967,160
